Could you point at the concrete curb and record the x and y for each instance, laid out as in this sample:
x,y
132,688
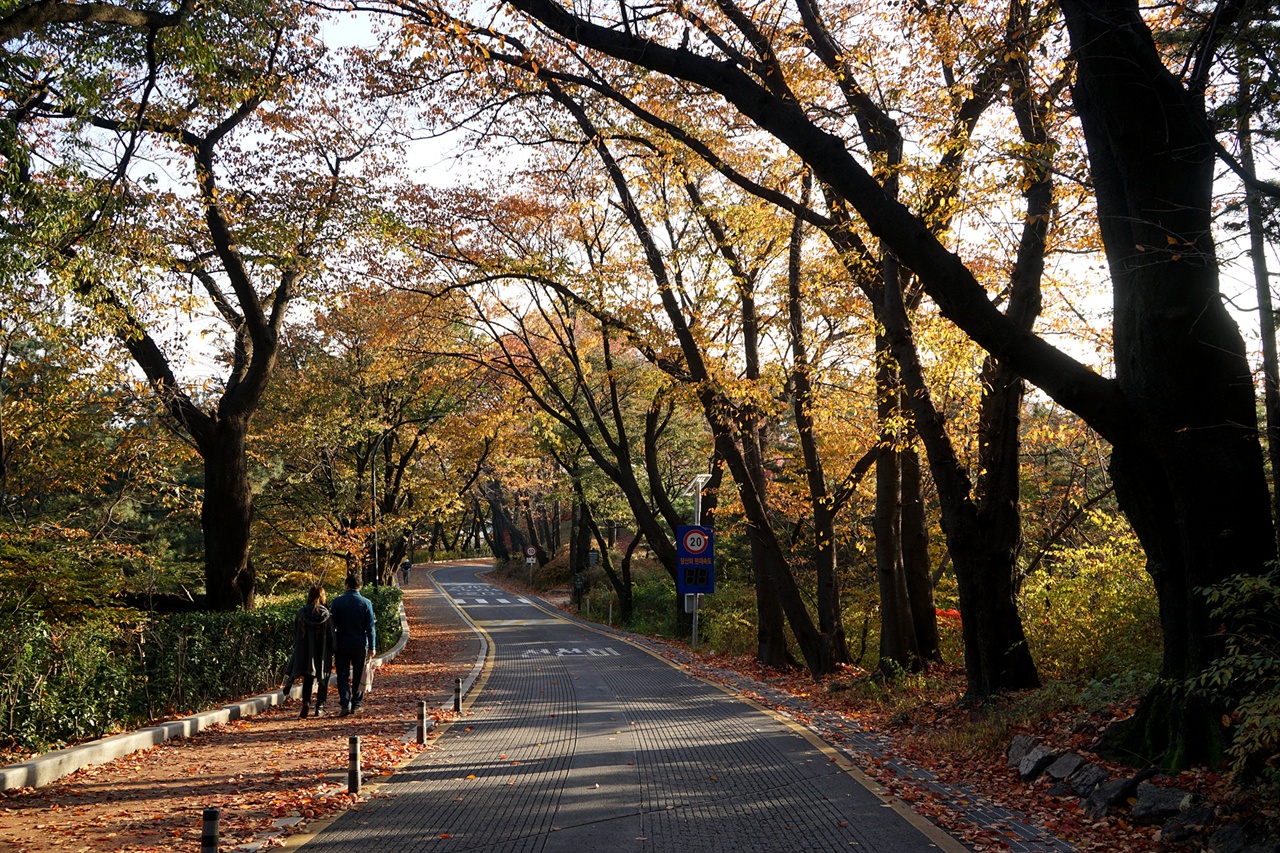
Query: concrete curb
x,y
52,766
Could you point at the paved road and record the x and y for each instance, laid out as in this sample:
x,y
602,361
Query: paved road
x,y
576,741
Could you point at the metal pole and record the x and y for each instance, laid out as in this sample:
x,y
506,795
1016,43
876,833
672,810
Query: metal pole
x,y
422,721
457,695
697,605
353,764
373,498
209,831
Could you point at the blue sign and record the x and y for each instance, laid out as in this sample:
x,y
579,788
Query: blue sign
x,y
695,559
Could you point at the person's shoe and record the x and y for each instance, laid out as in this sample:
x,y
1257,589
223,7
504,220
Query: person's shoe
x,y
319,712
345,712
302,715
356,708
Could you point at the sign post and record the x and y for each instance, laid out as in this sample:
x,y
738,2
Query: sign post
x,y
531,557
695,568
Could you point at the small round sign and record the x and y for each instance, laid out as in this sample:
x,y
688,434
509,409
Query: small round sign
x,y
695,541
531,551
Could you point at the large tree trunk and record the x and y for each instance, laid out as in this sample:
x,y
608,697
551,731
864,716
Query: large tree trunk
x,y
984,544
916,565
1191,478
897,634
225,516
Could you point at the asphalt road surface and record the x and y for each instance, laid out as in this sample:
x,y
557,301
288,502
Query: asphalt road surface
x,y
576,741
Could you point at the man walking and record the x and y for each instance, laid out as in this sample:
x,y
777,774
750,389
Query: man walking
x,y
353,620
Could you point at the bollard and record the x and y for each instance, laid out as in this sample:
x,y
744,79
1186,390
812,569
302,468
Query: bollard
x,y
422,721
209,831
457,695
353,767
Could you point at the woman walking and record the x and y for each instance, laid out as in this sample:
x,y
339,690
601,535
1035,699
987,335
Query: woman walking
x,y
313,644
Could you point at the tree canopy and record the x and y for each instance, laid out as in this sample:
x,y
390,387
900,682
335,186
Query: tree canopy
x,y
846,260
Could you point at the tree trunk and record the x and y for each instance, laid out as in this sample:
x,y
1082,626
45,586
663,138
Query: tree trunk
x,y
898,650
225,516
585,524
822,503
916,564
1191,478
505,538
982,533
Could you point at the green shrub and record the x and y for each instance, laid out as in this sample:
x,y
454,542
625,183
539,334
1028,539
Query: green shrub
x,y
727,622
1096,614
61,683
1247,674
193,661
386,613
653,598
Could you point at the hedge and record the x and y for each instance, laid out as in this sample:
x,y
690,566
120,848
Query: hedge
x,y
66,683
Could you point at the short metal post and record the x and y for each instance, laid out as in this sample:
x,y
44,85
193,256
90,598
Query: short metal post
x,y
209,831
611,613
422,721
457,695
353,766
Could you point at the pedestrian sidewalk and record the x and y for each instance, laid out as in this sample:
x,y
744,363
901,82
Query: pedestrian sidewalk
x,y
269,772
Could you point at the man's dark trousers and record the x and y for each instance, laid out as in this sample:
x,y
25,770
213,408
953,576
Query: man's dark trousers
x,y
350,665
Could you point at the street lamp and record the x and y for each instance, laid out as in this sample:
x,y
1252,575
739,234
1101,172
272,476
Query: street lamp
x,y
694,490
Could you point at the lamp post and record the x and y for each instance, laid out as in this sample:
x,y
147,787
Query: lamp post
x,y
373,500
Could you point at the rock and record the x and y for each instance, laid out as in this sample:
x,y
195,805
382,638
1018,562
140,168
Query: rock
x,y
1019,747
1086,778
1187,825
1035,762
1239,837
1108,794
1228,839
1156,802
1067,764
1060,789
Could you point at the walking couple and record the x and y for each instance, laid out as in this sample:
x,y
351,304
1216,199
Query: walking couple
x,y
341,635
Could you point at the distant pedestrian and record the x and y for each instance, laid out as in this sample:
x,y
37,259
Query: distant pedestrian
x,y
404,572
356,642
313,647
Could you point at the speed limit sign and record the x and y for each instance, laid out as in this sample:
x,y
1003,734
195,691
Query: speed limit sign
x,y
695,559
